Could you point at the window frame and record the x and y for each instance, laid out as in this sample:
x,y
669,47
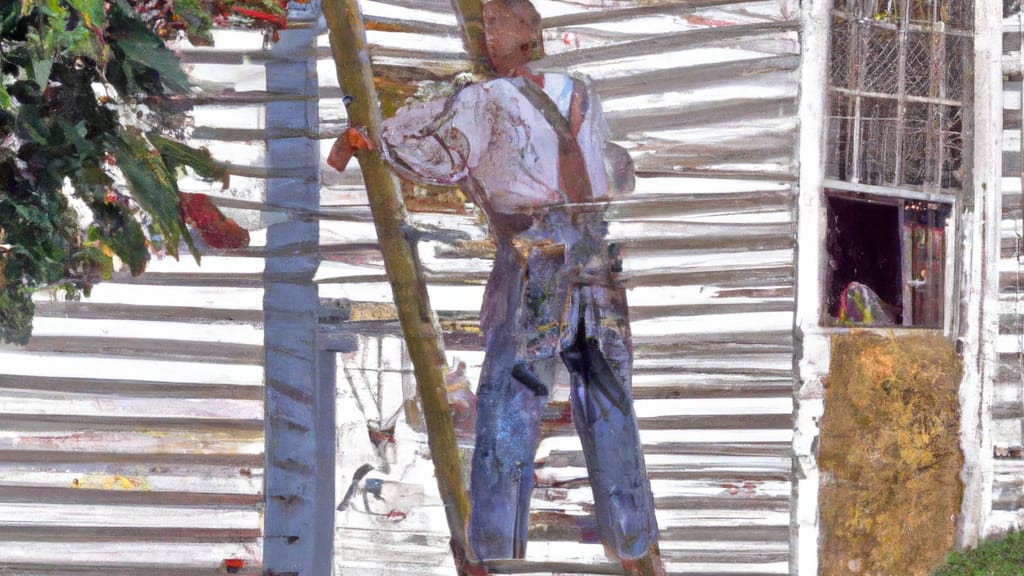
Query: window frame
x,y
895,197
848,157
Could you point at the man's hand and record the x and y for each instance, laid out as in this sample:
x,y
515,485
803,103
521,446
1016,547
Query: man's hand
x,y
346,145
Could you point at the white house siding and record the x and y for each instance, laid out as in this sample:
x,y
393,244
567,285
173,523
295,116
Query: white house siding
x,y
131,426
705,99
1008,402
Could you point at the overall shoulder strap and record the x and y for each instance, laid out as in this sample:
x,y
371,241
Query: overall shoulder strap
x,y
573,178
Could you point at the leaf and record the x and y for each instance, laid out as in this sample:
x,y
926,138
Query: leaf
x,y
34,215
41,71
91,184
16,311
95,259
76,135
5,97
129,243
151,183
144,48
197,19
192,249
33,126
84,35
92,12
216,229
178,154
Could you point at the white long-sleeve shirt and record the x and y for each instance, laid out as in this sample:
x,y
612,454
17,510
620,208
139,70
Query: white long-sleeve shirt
x,y
492,132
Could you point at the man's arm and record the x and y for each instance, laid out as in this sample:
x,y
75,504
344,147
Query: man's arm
x,y
424,142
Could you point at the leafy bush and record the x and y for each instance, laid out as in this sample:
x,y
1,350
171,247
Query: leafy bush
x,y
88,179
194,18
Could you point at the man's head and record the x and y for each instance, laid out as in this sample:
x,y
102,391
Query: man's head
x,y
512,35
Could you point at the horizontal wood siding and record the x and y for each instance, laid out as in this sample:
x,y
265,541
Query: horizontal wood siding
x,y
131,426
1008,398
703,94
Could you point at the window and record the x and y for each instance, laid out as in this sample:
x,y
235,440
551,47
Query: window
x,y
886,260
896,94
899,73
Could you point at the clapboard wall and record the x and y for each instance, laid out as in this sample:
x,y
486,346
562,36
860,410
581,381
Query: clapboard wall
x,y
1008,403
131,426
704,96
133,422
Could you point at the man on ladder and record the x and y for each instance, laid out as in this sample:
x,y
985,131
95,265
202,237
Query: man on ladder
x,y
530,150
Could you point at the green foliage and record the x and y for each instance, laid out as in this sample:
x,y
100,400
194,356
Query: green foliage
x,y
138,49
177,155
169,17
1003,557
195,18
84,98
890,456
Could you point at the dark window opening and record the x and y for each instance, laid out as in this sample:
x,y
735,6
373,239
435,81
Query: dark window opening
x,y
864,247
885,261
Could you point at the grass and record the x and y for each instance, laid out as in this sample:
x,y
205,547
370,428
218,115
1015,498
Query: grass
x,y
994,558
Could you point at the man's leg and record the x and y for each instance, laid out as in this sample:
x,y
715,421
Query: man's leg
x,y
605,420
509,411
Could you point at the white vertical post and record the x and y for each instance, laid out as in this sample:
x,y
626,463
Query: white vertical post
x,y
298,519
979,300
326,462
812,353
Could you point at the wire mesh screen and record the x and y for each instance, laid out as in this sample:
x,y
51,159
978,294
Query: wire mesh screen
x,y
957,65
921,61
880,55
835,160
879,140
1011,8
898,73
839,65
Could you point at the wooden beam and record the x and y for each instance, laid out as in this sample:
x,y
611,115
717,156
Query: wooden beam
x,y
469,14
748,33
700,76
78,456
811,345
296,539
977,327
701,114
615,16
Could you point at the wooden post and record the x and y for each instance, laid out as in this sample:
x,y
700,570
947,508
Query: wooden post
x,y
469,14
298,522
978,324
812,344
398,244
